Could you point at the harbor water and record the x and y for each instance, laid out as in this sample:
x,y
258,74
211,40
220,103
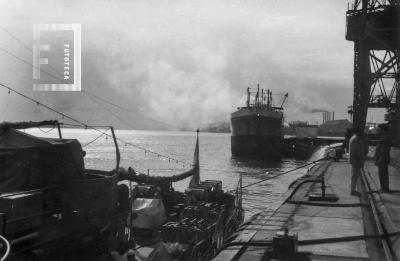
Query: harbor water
x,y
216,161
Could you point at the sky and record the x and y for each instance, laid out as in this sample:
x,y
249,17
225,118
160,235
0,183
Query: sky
x,y
184,63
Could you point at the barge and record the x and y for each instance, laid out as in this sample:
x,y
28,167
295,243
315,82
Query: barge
x,y
51,205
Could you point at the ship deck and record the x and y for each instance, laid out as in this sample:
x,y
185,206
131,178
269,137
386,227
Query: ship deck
x,y
344,223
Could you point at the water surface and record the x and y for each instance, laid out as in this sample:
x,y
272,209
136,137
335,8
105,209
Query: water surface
x,y
215,160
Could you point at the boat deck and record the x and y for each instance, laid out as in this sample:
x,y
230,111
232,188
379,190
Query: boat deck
x,y
325,221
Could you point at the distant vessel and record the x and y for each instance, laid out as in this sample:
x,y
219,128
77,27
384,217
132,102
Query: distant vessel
x,y
257,129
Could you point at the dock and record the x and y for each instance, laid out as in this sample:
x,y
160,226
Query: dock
x,y
333,226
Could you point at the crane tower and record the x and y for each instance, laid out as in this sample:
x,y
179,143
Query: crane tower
x,y
374,27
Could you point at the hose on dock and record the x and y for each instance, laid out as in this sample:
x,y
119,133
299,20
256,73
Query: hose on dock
x,y
289,199
319,204
283,173
317,241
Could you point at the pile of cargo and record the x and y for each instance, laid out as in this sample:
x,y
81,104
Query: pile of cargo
x,y
201,218
196,223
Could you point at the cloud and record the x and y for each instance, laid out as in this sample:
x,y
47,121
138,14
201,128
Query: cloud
x,y
188,63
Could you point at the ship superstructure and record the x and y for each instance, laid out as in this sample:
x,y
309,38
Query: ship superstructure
x,y
257,128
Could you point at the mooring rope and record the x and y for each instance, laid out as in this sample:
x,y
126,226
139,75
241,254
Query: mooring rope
x,y
283,173
93,140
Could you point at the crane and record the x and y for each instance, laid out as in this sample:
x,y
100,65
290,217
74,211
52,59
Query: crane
x,y
374,27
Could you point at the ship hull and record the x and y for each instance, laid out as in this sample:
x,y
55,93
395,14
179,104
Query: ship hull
x,y
256,147
256,134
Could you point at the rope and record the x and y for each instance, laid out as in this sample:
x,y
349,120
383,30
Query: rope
x,y
33,66
82,124
112,113
46,131
91,96
29,48
90,142
283,173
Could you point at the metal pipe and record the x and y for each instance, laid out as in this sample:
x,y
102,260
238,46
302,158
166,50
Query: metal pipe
x,y
53,211
248,96
8,248
385,244
116,147
24,238
59,130
3,225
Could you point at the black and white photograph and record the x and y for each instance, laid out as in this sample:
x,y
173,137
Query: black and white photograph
x,y
196,130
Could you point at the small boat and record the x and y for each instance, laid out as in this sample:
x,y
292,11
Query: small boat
x,y
50,201
195,223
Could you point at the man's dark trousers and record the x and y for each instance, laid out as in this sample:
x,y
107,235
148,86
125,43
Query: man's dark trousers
x,y
384,177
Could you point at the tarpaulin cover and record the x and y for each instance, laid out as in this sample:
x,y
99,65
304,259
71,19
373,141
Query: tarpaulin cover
x,y
29,162
150,213
161,252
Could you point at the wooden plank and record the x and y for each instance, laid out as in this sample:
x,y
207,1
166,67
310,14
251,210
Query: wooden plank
x,y
230,252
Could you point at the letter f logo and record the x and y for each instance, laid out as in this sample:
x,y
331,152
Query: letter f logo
x,y
37,47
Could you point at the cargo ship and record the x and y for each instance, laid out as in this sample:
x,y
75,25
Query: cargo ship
x,y
257,128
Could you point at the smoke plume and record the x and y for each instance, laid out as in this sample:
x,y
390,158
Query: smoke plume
x,y
185,63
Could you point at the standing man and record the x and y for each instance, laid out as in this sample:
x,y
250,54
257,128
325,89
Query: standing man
x,y
356,158
382,156
349,133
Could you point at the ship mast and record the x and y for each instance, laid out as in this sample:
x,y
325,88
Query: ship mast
x,y
248,97
257,95
262,97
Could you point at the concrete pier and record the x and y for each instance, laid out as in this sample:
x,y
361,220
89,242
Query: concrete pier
x,y
345,229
